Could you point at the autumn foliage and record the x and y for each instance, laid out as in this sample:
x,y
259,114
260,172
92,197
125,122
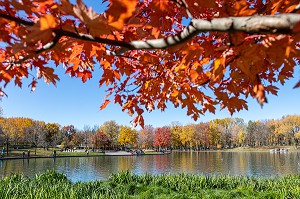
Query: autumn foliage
x,y
194,54
217,133
162,137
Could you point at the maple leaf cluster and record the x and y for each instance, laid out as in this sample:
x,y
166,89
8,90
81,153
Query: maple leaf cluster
x,y
149,55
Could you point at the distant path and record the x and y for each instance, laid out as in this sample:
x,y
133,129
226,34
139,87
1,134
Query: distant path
x,y
107,153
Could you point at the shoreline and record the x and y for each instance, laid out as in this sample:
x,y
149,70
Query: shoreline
x,y
109,154
124,153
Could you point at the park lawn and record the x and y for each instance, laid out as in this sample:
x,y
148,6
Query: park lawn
x,y
152,152
64,153
40,152
127,185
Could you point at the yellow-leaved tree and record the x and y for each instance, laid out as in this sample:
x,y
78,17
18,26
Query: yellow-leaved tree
x,y
127,137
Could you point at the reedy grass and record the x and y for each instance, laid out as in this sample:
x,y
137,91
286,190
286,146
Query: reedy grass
x,y
127,185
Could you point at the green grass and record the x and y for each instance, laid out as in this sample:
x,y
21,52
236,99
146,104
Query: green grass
x,y
127,185
152,152
40,152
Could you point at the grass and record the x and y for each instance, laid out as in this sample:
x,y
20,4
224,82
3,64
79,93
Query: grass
x,y
40,152
127,185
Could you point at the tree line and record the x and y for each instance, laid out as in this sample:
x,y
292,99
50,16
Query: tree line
x,y
218,133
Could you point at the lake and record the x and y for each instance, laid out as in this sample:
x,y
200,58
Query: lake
x,y
262,164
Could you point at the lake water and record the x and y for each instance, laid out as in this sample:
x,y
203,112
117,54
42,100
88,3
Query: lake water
x,y
263,164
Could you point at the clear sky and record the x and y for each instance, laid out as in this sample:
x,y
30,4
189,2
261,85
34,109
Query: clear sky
x,y
77,103
72,102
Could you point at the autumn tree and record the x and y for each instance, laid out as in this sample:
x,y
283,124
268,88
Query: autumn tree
x,y
128,136
241,137
215,133
162,137
51,135
250,135
38,129
176,130
271,125
288,126
237,130
88,133
6,128
195,54
77,139
145,137
186,137
201,136
100,140
263,133
16,130
68,133
112,130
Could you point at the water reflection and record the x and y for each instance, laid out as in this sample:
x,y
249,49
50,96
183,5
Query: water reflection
x,y
209,163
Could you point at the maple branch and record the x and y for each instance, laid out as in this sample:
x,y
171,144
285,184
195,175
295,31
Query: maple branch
x,y
16,19
87,37
274,24
49,45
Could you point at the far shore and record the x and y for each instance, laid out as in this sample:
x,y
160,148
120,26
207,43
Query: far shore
x,y
18,154
40,153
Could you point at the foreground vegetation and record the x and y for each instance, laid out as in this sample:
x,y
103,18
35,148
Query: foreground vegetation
x,y
127,185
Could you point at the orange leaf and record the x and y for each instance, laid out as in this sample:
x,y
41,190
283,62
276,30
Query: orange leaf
x,y
48,21
194,75
104,104
120,11
138,120
259,90
175,92
33,85
48,74
162,5
84,75
118,99
219,68
117,75
291,8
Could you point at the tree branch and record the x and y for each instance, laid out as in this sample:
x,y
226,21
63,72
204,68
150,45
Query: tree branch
x,y
273,24
87,37
18,20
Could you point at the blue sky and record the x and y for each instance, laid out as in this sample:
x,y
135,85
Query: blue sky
x,y
77,103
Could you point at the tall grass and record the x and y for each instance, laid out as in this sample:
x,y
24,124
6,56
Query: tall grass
x,y
127,185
